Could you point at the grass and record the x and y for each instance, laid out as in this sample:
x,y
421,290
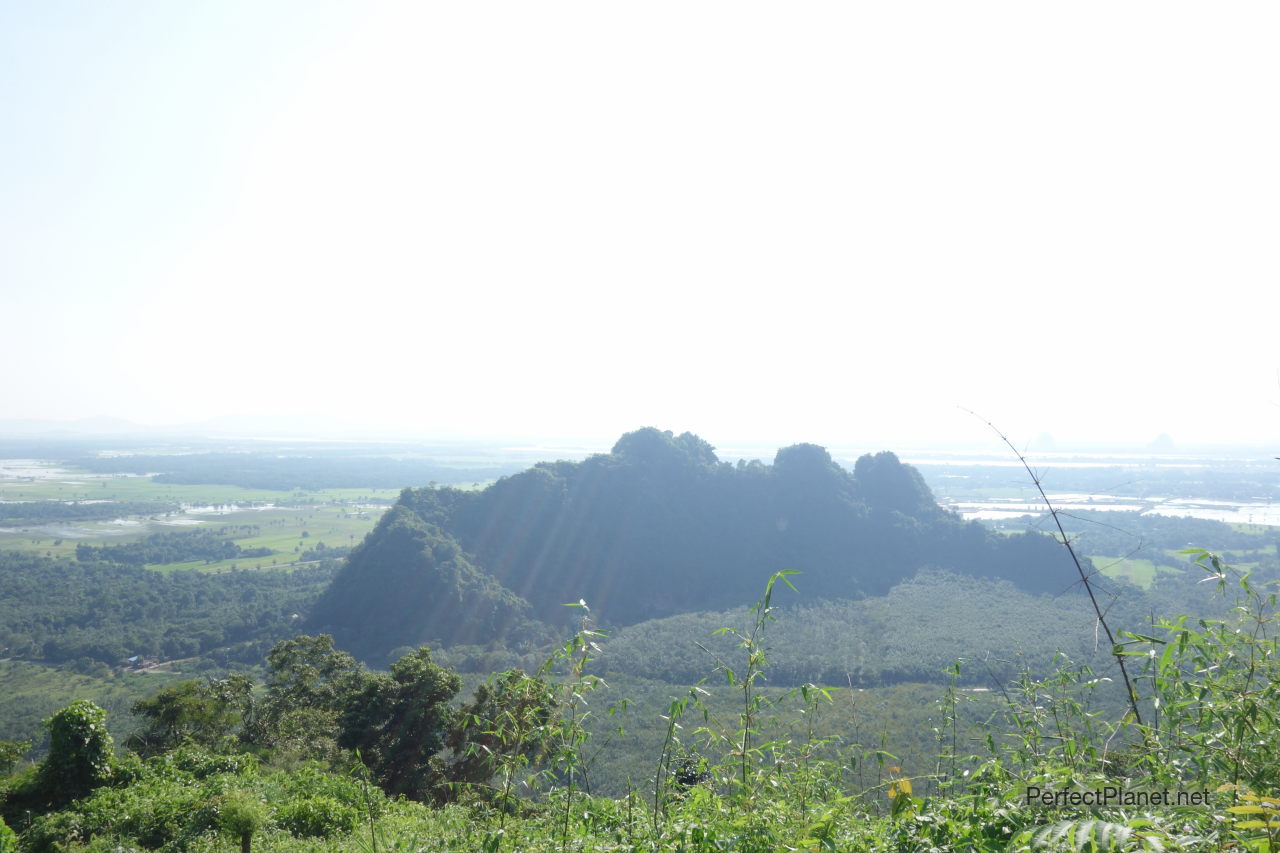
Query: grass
x,y
288,533
1137,571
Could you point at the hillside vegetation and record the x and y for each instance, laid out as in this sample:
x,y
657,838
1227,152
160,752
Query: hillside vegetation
x,y
328,756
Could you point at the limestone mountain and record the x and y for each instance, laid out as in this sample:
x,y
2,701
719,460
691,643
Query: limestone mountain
x,y
655,527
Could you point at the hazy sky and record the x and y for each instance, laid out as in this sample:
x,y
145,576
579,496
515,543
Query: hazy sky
x,y
803,221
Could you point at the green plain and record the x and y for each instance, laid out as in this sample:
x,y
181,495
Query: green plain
x,y
286,522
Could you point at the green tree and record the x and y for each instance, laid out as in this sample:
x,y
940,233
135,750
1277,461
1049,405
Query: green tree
x,y
399,722
204,712
308,684
240,816
10,752
80,756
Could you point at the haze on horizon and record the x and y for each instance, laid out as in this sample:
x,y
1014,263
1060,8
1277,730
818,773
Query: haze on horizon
x,y
824,223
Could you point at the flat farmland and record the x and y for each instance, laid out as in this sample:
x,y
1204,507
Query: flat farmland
x,y
288,523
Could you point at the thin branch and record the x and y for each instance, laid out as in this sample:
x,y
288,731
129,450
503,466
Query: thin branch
x,y
1084,577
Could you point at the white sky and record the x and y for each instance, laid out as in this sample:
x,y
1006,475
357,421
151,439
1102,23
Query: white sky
x,y
824,222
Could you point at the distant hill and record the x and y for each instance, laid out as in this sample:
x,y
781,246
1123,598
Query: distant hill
x,y
656,527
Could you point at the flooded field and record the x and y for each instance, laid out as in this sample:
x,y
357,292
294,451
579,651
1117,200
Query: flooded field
x,y
1242,513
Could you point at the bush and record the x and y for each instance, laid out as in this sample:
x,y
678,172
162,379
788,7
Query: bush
x,y
317,817
241,814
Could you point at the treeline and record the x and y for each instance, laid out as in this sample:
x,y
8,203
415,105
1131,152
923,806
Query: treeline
x,y
286,473
58,611
656,527
1146,535
178,547
28,512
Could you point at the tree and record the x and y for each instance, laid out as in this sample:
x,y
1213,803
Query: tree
x,y
503,728
80,755
308,685
10,752
399,723
240,816
206,713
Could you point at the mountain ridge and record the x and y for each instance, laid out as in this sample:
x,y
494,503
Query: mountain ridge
x,y
657,526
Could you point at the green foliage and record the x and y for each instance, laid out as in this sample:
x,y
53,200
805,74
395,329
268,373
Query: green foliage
x,y
8,841
309,682
63,610
178,800
409,584
80,752
752,644
42,512
205,712
180,547
503,729
11,752
241,815
569,734
911,634
31,693
317,817
399,722
803,791
1216,688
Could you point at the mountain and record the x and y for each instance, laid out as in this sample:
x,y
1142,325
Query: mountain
x,y
657,526
409,584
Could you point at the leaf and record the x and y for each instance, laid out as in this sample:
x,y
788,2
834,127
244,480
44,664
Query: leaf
x,y
899,788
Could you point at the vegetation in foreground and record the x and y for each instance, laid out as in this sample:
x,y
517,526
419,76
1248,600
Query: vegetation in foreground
x,y
327,756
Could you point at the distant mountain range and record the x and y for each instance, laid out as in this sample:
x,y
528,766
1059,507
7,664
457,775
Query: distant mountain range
x,y
658,526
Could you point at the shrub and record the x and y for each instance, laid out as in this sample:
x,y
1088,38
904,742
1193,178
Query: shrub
x,y
317,817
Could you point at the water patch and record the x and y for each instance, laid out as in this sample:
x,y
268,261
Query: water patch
x,y
1232,514
30,469
227,509
1263,513
60,531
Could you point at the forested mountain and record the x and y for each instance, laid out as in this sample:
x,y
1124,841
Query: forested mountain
x,y
409,584
656,527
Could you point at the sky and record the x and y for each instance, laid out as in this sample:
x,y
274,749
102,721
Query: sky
x,y
831,221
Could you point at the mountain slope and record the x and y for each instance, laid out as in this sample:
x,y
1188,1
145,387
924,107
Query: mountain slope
x,y
409,584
